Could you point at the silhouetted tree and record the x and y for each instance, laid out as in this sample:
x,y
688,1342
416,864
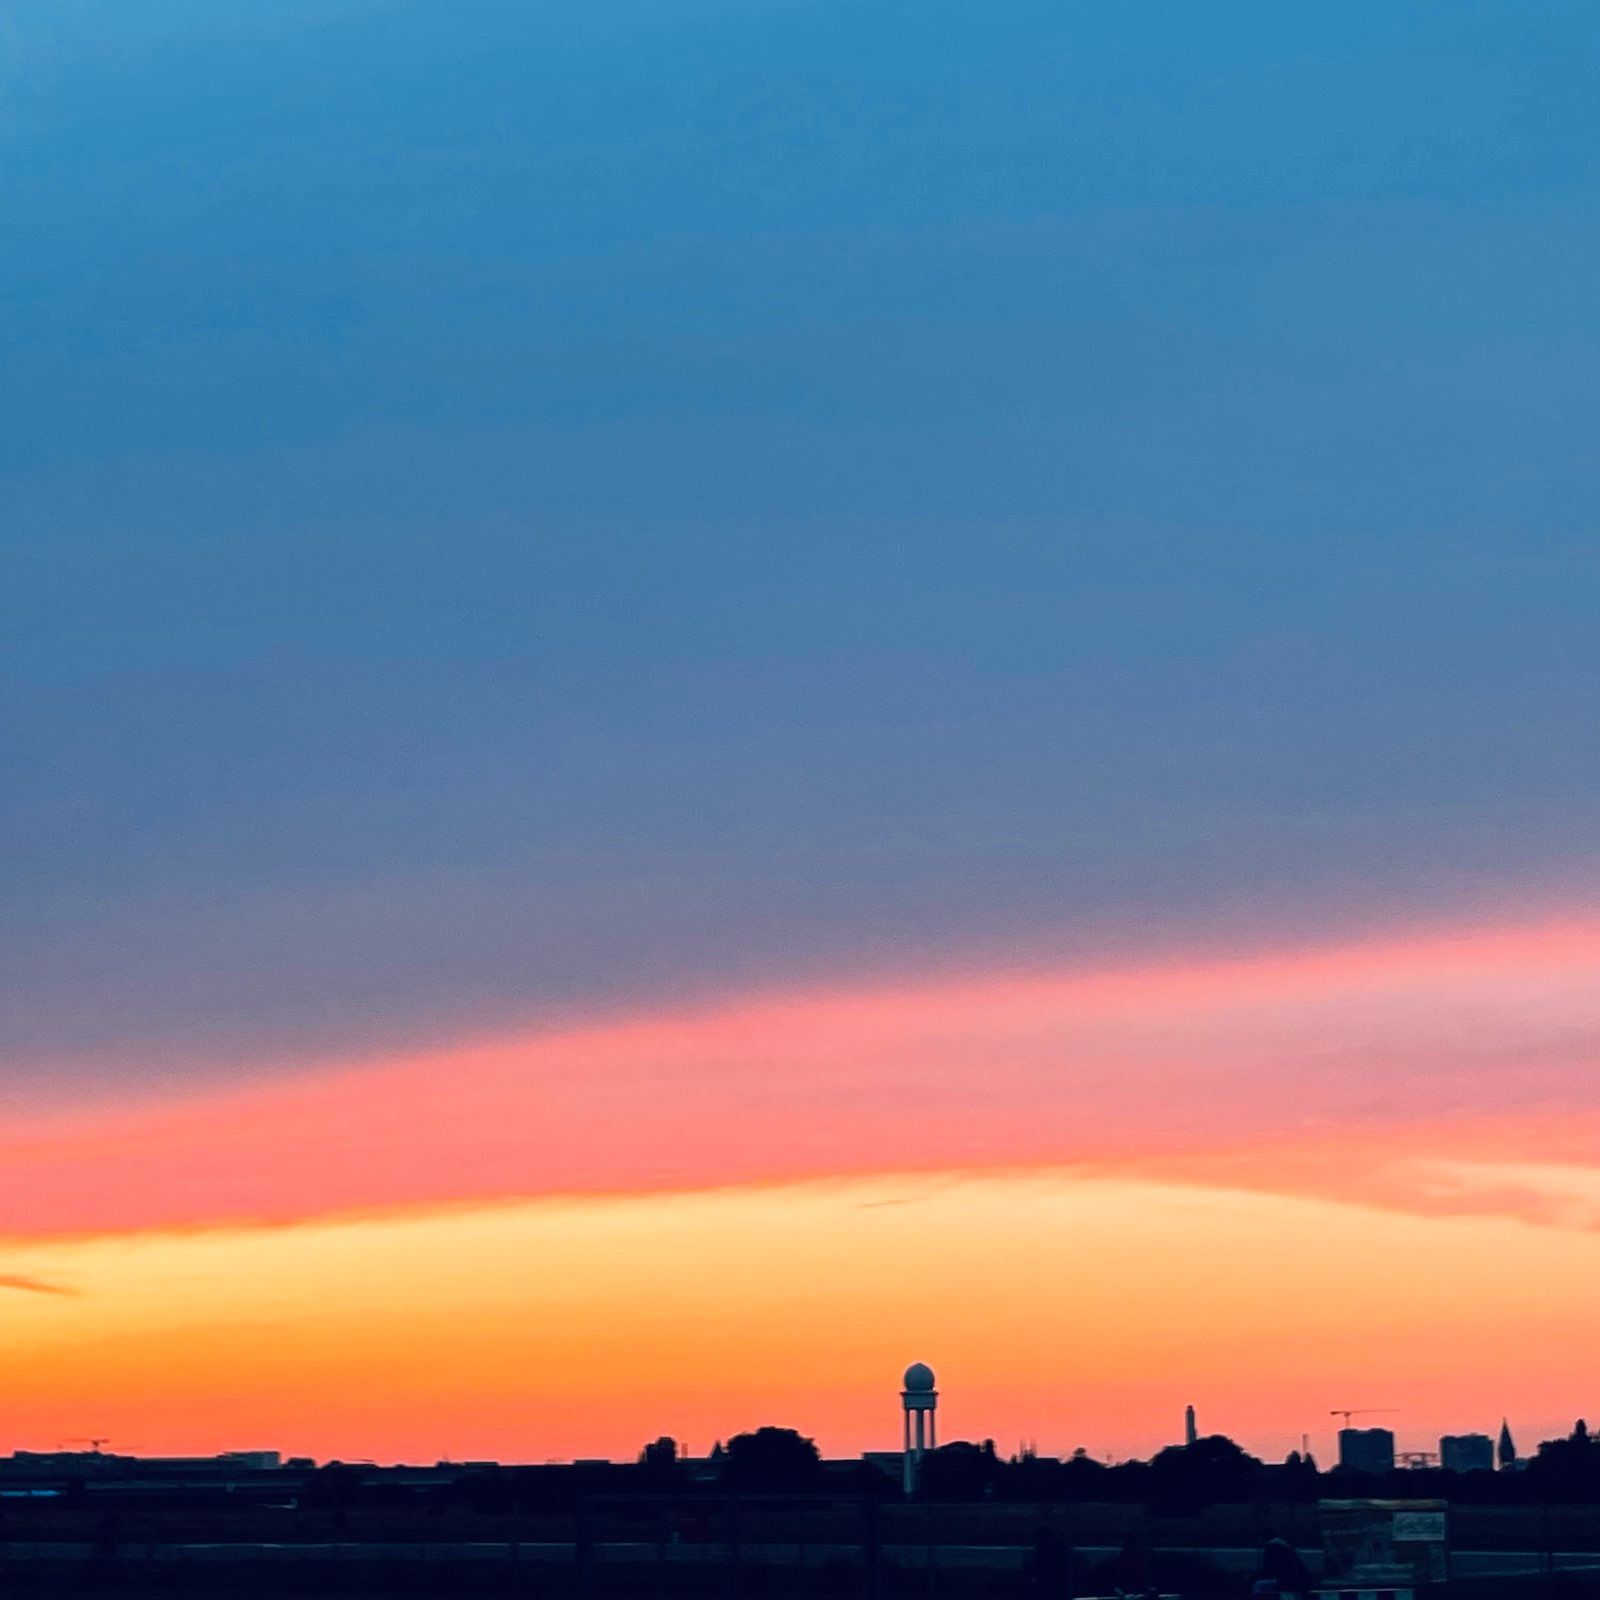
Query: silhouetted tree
x,y
1568,1467
1082,1477
1210,1469
960,1471
1297,1479
658,1460
771,1461
1028,1476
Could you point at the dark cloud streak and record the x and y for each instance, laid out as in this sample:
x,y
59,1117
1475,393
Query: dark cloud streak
x,y
26,1285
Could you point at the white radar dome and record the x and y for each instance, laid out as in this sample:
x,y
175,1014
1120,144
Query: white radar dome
x,y
919,1378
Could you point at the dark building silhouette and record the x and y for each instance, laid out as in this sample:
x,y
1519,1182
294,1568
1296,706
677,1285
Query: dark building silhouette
x,y
1466,1452
1366,1449
1507,1450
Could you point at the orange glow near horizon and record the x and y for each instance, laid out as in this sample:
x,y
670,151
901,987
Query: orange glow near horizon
x,y
1076,1311
1086,1198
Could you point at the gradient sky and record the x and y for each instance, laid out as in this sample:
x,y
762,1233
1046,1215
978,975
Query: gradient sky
x,y
699,696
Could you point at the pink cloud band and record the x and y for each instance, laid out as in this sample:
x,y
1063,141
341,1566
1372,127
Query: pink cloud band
x,y
1326,1070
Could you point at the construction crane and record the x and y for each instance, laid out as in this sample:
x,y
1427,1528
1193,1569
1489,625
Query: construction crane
x,y
1362,1411
96,1446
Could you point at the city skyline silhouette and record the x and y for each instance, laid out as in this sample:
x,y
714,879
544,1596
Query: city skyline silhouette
x,y
701,696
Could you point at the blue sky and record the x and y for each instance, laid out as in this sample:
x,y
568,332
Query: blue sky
x,y
515,509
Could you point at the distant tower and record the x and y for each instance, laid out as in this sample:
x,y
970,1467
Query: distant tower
x,y
1507,1451
920,1399
1190,1431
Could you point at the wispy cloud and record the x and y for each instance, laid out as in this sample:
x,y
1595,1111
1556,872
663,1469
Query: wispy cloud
x,y
27,1285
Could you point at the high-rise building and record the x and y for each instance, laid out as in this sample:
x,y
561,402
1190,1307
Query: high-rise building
x,y
1506,1453
1466,1452
1190,1431
1366,1449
